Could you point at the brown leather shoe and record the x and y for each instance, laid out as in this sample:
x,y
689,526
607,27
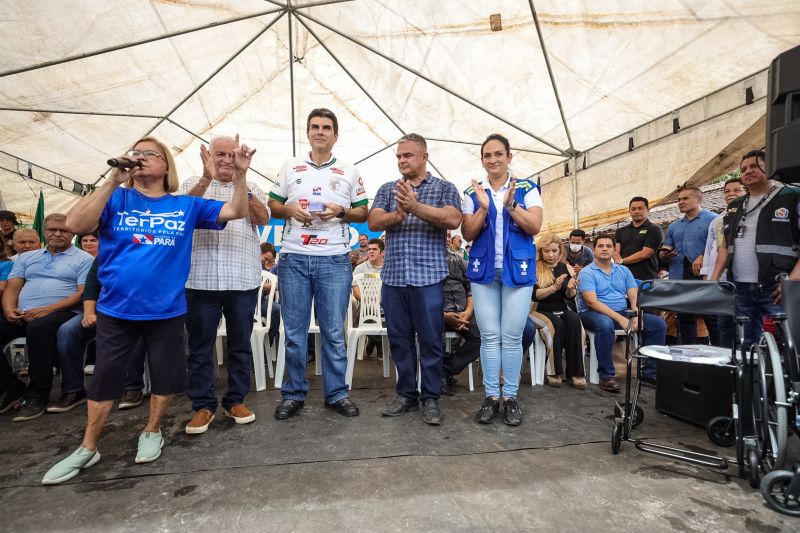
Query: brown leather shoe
x,y
240,414
200,422
553,381
609,385
578,383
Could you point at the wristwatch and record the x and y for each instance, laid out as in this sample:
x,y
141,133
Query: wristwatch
x,y
249,195
514,205
340,214
621,261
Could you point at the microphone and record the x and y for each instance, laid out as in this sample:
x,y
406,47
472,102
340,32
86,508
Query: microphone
x,y
123,163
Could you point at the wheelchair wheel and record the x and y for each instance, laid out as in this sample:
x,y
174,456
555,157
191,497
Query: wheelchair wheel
x,y
753,467
637,417
616,437
769,405
773,489
720,431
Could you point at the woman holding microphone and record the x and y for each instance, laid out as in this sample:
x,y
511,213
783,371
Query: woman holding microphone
x,y
501,216
143,263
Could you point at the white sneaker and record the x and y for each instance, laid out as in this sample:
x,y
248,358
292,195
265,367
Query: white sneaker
x,y
88,370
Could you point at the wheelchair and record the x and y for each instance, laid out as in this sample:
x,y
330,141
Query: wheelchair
x,y
781,488
758,416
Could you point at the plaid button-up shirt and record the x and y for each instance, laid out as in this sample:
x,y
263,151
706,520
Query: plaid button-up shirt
x,y
415,249
229,259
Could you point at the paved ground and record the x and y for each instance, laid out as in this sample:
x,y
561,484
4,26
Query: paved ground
x,y
321,472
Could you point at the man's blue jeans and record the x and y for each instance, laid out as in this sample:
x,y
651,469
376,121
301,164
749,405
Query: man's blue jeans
x,y
416,315
754,302
71,341
603,326
326,280
204,310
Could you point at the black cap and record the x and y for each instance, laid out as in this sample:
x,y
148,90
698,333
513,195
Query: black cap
x,y
8,215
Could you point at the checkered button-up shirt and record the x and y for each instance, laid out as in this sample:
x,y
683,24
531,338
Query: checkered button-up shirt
x,y
415,249
226,260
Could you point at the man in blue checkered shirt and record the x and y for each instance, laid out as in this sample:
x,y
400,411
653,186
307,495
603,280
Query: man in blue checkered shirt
x,y
415,211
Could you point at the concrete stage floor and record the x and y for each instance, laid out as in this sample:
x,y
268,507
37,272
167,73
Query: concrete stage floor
x,y
321,472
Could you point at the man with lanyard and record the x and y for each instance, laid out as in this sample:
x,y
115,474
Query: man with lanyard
x,y
317,195
638,242
683,247
760,240
415,211
224,279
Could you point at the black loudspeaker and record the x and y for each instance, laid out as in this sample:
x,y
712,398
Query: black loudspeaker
x,y
783,117
694,393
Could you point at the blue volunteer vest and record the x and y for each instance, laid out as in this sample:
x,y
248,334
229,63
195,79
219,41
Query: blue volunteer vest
x,y
519,250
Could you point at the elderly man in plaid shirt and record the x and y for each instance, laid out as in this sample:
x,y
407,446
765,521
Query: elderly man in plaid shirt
x,y
224,279
415,211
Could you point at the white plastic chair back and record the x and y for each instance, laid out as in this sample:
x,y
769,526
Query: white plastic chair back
x,y
370,286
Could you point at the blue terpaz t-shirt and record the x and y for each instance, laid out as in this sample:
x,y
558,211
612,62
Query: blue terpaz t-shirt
x,y
145,252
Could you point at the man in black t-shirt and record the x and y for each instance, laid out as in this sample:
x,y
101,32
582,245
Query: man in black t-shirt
x,y
638,242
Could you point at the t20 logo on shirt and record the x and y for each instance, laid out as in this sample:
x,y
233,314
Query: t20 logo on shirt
x,y
311,239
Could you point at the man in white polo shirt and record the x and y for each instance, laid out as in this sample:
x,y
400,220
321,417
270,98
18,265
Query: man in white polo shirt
x,y
318,196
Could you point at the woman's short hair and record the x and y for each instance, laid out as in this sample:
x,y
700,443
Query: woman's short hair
x,y
171,177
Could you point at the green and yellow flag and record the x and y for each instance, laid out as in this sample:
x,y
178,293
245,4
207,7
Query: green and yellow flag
x,y
38,219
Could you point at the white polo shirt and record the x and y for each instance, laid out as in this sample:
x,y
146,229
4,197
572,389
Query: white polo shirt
x,y
301,181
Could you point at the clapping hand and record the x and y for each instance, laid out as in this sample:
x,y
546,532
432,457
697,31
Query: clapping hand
x,y
406,197
209,167
508,199
480,194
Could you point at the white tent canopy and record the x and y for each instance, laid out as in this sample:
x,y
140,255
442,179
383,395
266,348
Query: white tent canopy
x,y
81,80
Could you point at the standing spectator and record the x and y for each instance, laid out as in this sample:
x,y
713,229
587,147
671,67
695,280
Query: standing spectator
x,y
415,211
732,190
43,290
145,226
8,223
223,280
363,240
576,254
638,242
318,196
501,216
683,247
455,243
555,284
25,240
760,240
607,289
88,243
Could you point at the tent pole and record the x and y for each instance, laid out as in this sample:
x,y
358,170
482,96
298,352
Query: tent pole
x,y
575,214
432,82
134,43
550,73
364,90
291,78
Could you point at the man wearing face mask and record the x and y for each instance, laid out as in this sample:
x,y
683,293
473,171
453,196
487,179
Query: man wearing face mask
x,y
575,253
224,278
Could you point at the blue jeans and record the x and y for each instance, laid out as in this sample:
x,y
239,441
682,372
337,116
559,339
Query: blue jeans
x,y
501,313
754,302
71,341
603,326
326,279
416,315
204,310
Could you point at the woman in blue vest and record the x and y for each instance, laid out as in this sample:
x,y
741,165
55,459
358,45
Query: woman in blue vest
x,y
501,216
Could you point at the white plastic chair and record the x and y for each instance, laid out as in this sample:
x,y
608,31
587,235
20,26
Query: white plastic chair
x,y
260,329
449,336
594,377
369,322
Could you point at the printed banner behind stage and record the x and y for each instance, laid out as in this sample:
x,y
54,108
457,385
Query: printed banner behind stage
x,y
273,232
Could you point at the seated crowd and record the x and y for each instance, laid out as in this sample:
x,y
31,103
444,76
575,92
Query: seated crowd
x,y
443,306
